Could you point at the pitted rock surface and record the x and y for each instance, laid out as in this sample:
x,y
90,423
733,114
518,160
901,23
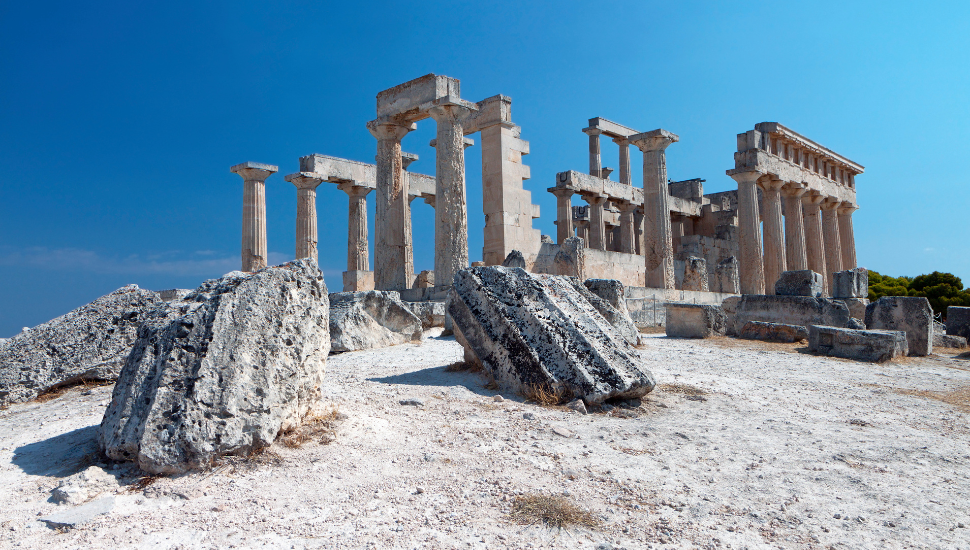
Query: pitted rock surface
x,y
371,319
608,297
221,371
528,329
911,314
89,343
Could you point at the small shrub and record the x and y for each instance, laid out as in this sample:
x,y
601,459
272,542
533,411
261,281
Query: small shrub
x,y
315,426
683,389
546,395
554,511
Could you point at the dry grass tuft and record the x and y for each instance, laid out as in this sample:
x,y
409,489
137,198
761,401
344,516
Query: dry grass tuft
x,y
464,366
320,427
546,395
683,389
959,398
57,391
143,483
553,511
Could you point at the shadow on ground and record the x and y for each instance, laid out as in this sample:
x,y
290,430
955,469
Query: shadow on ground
x,y
437,376
61,455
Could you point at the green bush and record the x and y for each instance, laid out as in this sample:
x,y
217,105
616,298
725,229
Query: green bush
x,y
941,289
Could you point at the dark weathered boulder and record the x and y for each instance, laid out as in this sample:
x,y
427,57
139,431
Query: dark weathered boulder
x,y
514,259
861,345
695,320
371,319
221,371
773,332
89,343
958,321
532,330
790,310
804,282
911,314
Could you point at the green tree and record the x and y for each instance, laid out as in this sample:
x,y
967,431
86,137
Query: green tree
x,y
940,288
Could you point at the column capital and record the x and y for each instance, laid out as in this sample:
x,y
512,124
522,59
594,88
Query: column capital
x,y
390,129
594,199
847,208
458,110
746,177
625,206
654,140
354,189
254,171
592,131
830,203
621,141
305,180
813,198
794,189
771,184
561,192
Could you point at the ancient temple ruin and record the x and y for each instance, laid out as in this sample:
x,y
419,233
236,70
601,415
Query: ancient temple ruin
x,y
665,240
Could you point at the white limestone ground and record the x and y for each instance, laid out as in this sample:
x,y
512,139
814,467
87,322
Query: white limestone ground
x,y
784,450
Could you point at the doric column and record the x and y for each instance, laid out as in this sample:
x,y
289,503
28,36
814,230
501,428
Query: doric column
x,y
597,225
392,242
582,231
306,213
564,213
749,232
830,233
774,238
847,235
451,210
254,250
356,226
625,174
795,252
658,242
638,229
814,247
595,159
627,232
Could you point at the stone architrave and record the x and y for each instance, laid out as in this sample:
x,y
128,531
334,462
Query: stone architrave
x,y
658,243
749,228
847,235
254,248
451,202
306,213
796,255
833,246
564,213
392,241
597,226
774,239
814,243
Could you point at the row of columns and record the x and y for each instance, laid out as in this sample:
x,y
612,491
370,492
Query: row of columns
x,y
596,158
811,232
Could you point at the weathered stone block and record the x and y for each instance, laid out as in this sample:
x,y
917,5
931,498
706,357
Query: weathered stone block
x,y
611,305
695,274
431,314
695,320
958,321
425,279
803,282
541,330
851,283
570,261
790,310
371,319
857,306
947,341
514,259
727,274
773,332
861,345
358,281
911,314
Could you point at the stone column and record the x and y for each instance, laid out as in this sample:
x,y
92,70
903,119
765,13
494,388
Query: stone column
x,y
658,242
597,226
847,235
254,249
451,210
795,252
638,228
627,231
814,247
625,174
306,213
595,159
749,233
357,252
774,238
582,231
392,242
564,213
830,232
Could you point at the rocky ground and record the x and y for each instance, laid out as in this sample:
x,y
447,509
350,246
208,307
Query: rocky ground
x,y
743,445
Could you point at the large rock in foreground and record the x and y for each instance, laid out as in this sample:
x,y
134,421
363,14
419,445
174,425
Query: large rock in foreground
x,y
221,371
89,343
371,319
910,314
541,331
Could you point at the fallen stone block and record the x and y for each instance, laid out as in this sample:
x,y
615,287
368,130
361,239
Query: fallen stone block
x,y
613,293
84,485
727,275
911,314
695,274
89,343
803,282
861,345
222,371
790,310
371,319
531,330
958,321
857,306
856,324
695,320
431,314
851,283
773,332
949,342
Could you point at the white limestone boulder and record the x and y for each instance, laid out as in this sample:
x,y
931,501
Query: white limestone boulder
x,y
221,371
371,319
89,343
609,298
532,330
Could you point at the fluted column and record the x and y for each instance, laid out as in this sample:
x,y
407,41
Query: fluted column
x,y
658,242
357,252
638,229
564,213
254,248
814,245
749,232
847,235
392,242
306,213
626,176
451,212
597,226
627,232
830,232
595,159
774,238
795,252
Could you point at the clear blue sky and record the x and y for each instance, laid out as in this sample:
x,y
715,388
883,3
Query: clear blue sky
x,y
119,120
